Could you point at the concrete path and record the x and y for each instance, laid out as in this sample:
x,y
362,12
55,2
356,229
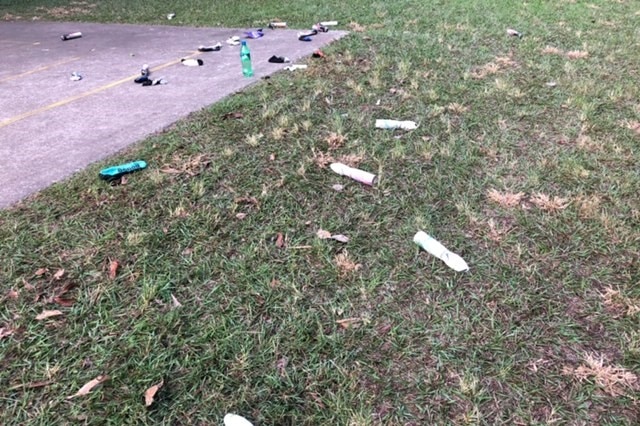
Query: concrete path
x,y
51,127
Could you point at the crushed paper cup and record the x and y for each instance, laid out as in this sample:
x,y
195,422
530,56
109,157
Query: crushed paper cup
x,y
192,62
435,248
355,174
396,124
170,16
236,420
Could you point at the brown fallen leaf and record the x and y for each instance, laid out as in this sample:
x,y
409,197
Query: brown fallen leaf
x,y
48,314
349,322
64,301
89,386
322,234
59,273
6,332
241,216
113,269
280,240
12,294
27,285
176,303
281,365
150,393
41,271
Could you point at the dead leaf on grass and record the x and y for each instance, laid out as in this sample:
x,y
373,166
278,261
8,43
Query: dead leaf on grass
x,y
27,285
351,160
281,365
176,303
280,240
322,234
235,114
577,54
345,265
544,202
6,332
12,294
456,108
48,314
41,271
615,381
150,393
89,386
113,269
349,323
63,301
241,216
550,50
505,199
335,140
59,274
322,159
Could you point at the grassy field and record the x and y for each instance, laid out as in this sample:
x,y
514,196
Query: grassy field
x,y
205,272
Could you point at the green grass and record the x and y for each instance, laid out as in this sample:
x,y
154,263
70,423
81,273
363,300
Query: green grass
x,y
257,332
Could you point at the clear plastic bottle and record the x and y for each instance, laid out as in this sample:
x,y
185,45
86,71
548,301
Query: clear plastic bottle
x,y
245,58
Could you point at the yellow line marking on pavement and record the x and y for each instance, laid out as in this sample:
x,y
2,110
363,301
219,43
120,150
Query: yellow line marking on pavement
x,y
42,68
86,94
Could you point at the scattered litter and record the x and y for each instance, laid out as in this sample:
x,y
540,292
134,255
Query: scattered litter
x,y
329,23
192,62
337,187
170,16
279,59
318,54
71,36
306,36
48,314
341,238
274,25
75,76
396,124
155,81
254,34
233,41
434,247
236,420
514,33
325,235
551,84
144,70
142,79
355,174
320,28
115,172
378,102
296,67
213,48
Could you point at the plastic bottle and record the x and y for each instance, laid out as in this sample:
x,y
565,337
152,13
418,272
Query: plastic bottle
x,y
434,247
245,58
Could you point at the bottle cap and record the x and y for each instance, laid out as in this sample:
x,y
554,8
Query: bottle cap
x,y
244,42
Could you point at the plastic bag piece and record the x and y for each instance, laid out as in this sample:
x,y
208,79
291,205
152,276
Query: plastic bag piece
x,y
279,59
116,172
236,420
435,248
254,34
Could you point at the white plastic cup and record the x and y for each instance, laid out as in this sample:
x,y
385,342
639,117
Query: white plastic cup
x,y
396,124
355,174
236,420
435,248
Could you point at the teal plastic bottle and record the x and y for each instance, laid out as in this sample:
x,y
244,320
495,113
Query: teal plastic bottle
x,y
245,58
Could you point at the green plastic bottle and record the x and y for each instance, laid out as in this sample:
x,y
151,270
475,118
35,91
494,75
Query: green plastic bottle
x,y
245,58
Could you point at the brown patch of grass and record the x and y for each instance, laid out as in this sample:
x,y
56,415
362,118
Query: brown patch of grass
x,y
456,108
550,50
352,160
633,125
505,199
500,63
345,264
335,140
192,166
356,28
618,304
546,203
322,159
615,381
74,8
577,54
588,206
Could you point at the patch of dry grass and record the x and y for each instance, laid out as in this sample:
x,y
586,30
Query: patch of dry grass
x,y
505,199
615,381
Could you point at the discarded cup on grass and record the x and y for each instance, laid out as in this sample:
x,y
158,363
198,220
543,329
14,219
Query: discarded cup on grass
x,y
170,16
435,248
514,33
329,23
75,76
144,70
236,420
295,67
213,48
396,124
274,25
279,59
355,174
115,172
71,36
192,62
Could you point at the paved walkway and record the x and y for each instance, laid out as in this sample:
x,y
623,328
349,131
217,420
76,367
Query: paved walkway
x,y
51,127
